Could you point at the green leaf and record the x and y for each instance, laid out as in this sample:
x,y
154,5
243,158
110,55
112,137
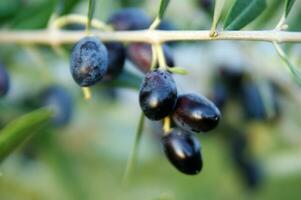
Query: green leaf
x,y
134,152
34,15
219,4
296,73
17,131
163,7
178,70
243,12
91,10
288,6
66,6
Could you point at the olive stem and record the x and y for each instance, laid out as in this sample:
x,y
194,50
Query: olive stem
x,y
155,23
78,19
87,93
161,56
154,58
133,155
147,36
166,125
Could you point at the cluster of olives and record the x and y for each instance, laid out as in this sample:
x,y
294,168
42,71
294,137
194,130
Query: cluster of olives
x,y
92,61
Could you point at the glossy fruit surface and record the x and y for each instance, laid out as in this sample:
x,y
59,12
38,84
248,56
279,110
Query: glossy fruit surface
x,y
4,81
195,113
158,94
117,56
141,55
89,61
183,151
130,19
61,102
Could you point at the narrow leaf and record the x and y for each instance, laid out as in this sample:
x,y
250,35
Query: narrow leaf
x,y
134,152
90,13
178,70
219,4
163,7
243,12
294,70
288,6
20,129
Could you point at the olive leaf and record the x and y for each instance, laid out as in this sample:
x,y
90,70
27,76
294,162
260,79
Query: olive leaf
x,y
163,7
178,70
243,12
22,128
219,4
133,155
42,11
91,10
296,73
288,6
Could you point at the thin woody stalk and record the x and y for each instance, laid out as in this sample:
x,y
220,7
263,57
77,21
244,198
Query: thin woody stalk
x,y
55,37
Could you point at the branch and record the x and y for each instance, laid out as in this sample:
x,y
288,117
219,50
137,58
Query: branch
x,y
56,37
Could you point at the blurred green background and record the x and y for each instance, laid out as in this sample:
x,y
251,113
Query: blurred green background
x,y
87,158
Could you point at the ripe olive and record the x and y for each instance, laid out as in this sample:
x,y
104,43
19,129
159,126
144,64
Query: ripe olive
x,y
158,94
117,56
141,55
195,113
59,99
89,61
183,151
129,19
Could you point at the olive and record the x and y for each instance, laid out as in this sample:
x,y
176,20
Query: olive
x,y
89,61
59,99
183,150
158,94
195,113
117,56
129,19
141,55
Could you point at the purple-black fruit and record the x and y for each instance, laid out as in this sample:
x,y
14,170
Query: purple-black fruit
x,y
141,55
58,99
195,113
130,19
117,56
183,151
4,81
158,94
89,61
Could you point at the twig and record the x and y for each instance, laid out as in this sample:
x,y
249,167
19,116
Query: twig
x,y
147,36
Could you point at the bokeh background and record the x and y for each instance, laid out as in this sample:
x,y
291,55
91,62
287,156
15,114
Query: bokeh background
x,y
86,159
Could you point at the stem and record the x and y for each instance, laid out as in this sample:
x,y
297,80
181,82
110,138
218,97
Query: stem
x,y
87,93
166,125
90,15
161,56
133,155
78,19
146,36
